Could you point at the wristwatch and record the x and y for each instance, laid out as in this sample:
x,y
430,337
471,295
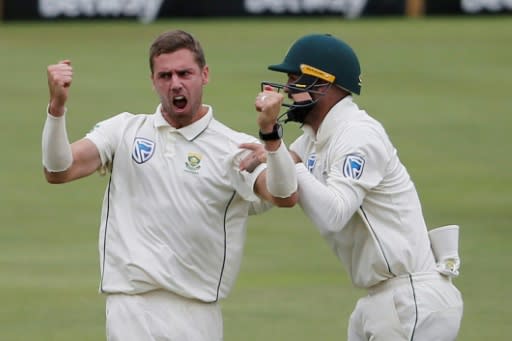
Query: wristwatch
x,y
276,134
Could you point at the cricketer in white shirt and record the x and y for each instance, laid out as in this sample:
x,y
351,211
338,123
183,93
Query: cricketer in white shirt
x,y
175,210
354,188
176,205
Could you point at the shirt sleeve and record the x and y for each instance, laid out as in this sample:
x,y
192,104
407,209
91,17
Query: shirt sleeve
x,y
259,206
106,136
244,181
355,163
298,146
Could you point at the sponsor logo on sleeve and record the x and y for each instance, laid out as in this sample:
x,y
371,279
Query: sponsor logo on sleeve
x,y
353,166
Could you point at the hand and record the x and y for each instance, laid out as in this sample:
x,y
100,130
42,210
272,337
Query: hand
x,y
257,156
60,76
295,157
268,104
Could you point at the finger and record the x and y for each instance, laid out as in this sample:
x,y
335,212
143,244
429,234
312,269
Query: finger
x,y
246,161
62,81
295,157
66,83
250,163
258,104
250,146
251,166
60,69
63,76
262,97
264,101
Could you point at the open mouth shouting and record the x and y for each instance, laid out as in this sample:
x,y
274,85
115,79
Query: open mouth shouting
x,y
179,102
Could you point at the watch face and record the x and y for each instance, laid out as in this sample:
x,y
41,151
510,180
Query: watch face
x,y
279,130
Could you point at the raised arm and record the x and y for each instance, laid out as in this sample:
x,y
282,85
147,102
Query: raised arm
x,y
278,183
62,161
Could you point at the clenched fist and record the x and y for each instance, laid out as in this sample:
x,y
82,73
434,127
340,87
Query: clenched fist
x,y
60,76
268,104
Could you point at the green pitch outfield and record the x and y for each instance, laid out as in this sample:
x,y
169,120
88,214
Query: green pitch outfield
x,y
440,86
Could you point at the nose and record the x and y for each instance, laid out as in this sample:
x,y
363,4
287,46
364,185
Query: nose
x,y
176,84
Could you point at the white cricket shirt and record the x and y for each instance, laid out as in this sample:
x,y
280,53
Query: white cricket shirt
x,y
361,198
175,209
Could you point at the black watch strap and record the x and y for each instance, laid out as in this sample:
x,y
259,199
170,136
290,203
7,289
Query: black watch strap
x,y
276,134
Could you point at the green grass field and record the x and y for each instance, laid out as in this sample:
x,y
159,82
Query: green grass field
x,y
440,86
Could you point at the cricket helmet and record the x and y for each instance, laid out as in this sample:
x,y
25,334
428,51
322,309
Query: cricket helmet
x,y
325,57
318,60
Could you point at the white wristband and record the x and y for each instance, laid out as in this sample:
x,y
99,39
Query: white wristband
x,y
57,156
281,176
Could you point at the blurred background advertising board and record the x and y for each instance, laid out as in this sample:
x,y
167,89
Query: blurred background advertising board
x,y
150,10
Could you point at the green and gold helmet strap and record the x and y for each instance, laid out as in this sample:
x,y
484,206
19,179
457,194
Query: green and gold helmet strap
x,y
313,71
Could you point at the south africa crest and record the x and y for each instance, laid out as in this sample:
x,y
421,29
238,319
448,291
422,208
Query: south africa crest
x,y
193,163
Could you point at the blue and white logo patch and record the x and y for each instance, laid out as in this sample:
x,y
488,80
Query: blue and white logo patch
x,y
143,149
353,166
311,163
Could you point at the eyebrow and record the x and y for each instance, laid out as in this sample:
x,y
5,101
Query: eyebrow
x,y
177,71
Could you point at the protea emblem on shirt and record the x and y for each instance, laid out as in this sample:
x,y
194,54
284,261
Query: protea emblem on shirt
x,y
353,166
143,149
193,162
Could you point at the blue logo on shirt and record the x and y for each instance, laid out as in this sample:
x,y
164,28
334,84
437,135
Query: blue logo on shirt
x,y
353,166
311,162
143,149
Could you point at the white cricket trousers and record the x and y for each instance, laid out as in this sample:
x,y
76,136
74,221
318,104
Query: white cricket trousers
x,y
413,307
161,316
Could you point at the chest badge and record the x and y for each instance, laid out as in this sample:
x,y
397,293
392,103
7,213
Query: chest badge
x,y
143,149
353,166
193,163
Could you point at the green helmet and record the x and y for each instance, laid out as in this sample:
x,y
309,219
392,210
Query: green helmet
x,y
325,57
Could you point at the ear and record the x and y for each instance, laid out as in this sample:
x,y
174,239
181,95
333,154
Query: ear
x,y
152,81
205,74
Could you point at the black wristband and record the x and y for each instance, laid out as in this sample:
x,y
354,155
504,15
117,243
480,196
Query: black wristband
x,y
276,134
